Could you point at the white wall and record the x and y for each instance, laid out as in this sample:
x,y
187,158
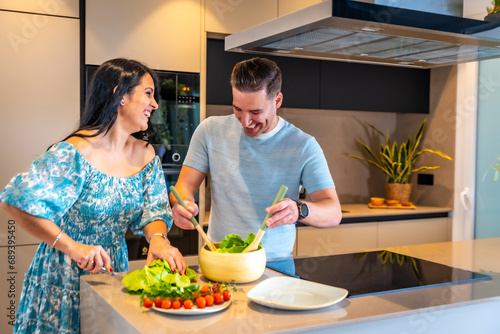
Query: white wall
x,y
476,9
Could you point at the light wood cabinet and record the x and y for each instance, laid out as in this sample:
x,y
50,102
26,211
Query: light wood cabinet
x,y
166,35
40,83
356,237
413,232
230,16
342,239
290,6
48,7
40,105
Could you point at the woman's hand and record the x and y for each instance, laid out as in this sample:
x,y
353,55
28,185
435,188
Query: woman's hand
x,y
182,217
159,248
90,258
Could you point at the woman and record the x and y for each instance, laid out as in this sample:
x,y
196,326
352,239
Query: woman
x,y
81,196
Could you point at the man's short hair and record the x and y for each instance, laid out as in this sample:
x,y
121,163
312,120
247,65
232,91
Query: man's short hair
x,y
256,74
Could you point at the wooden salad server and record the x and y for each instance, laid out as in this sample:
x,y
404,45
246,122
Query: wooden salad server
x,y
255,243
193,220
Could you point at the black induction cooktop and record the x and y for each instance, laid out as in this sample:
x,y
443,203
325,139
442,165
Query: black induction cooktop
x,y
373,272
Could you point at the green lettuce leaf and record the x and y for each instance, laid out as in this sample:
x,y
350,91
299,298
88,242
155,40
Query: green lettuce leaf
x,y
233,243
231,240
250,238
156,273
135,281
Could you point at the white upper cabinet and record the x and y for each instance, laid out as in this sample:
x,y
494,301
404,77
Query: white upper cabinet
x,y
230,16
52,7
290,6
165,35
40,86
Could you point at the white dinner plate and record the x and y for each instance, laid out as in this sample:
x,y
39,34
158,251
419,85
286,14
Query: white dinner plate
x,y
195,310
290,293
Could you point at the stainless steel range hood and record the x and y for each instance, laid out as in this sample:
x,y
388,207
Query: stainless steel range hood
x,y
369,31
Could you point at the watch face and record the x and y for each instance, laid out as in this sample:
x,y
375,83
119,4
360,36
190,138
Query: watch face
x,y
305,210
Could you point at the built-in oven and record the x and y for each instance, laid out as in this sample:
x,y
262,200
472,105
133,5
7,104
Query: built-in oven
x,y
174,122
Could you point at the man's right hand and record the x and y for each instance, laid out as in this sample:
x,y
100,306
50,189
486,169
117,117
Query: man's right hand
x,y
182,217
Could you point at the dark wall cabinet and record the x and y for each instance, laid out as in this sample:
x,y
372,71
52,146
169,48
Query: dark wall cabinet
x,y
301,78
320,84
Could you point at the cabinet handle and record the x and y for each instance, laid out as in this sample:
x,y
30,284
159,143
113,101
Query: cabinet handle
x,y
464,196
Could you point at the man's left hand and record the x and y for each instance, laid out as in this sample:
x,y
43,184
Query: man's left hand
x,y
284,213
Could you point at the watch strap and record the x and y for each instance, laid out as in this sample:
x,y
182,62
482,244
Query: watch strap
x,y
299,207
158,235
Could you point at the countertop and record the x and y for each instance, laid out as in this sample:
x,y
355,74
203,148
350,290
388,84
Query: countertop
x,y
356,213
465,307
361,213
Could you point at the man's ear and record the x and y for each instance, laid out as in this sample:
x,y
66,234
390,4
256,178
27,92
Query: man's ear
x,y
278,100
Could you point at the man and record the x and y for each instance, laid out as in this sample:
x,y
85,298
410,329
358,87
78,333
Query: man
x,y
249,155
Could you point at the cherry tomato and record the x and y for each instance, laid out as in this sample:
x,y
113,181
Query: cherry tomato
x,y
157,302
201,302
188,304
196,294
216,287
209,299
148,303
218,298
166,304
227,295
176,304
205,289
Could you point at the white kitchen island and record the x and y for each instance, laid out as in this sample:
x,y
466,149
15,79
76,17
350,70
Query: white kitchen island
x,y
471,307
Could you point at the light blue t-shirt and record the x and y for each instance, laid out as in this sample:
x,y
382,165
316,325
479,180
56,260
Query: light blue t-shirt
x,y
246,173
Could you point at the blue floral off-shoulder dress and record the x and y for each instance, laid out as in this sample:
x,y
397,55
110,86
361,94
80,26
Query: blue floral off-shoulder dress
x,y
90,207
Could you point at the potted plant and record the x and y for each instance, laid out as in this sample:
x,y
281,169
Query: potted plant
x,y
496,170
397,162
493,12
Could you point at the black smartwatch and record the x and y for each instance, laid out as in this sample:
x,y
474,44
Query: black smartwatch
x,y
303,209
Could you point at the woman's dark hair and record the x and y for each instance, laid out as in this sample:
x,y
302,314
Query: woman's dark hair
x,y
103,100
255,74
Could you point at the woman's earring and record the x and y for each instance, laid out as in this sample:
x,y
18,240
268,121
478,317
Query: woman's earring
x,y
122,102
